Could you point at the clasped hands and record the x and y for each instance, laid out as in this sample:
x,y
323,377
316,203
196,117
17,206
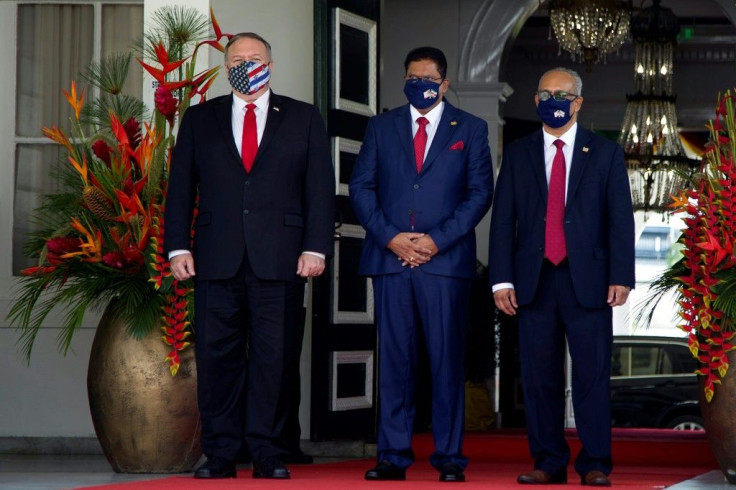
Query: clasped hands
x,y
413,249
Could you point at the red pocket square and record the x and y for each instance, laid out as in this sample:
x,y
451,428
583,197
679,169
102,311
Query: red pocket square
x,y
458,146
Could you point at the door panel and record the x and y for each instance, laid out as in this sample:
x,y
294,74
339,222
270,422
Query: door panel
x,y
343,329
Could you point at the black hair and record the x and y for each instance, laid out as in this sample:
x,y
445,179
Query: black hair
x,y
427,53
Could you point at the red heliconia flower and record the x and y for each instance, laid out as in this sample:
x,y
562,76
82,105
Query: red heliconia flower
x,y
102,150
116,260
133,256
63,244
166,103
133,129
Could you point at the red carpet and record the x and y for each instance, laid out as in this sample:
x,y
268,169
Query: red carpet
x,y
643,459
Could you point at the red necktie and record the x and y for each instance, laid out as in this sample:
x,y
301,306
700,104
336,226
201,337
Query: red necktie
x,y
554,232
420,142
250,138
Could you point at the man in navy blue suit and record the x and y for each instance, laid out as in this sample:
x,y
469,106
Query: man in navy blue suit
x,y
422,182
257,166
561,256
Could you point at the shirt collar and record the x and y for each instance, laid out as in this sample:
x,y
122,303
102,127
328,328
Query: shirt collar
x,y
432,116
568,137
261,102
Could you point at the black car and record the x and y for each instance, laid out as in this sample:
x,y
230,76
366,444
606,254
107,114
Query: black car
x,y
653,384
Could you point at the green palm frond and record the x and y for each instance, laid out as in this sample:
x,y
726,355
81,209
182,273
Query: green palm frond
x,y
109,75
179,28
97,112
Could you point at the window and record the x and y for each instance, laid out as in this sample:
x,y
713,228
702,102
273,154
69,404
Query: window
x,y
56,42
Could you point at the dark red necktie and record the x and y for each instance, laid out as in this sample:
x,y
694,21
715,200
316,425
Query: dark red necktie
x,y
250,138
555,248
420,142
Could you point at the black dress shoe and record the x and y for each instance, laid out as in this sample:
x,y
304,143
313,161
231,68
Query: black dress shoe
x,y
451,472
216,468
297,457
385,470
271,468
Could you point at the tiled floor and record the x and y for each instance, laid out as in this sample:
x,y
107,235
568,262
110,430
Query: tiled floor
x,y
22,472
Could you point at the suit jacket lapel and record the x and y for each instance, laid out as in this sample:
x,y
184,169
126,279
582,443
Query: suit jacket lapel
x,y
224,116
580,157
443,133
276,109
403,128
536,156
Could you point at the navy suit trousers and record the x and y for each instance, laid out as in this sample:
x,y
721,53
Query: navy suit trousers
x,y
554,315
407,301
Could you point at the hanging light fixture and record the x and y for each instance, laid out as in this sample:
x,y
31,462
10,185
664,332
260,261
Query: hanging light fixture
x,y
655,158
589,29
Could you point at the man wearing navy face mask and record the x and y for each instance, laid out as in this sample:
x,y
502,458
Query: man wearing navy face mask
x,y
422,182
260,167
561,256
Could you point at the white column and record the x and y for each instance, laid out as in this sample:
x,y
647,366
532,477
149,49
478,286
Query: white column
x,y
484,100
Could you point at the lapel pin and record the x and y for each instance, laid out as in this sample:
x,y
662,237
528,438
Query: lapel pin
x,y
453,123
586,149
276,109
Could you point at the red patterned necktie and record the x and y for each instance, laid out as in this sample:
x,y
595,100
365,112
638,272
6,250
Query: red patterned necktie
x,y
250,137
420,142
554,232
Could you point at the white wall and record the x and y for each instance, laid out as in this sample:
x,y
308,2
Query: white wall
x,y
49,397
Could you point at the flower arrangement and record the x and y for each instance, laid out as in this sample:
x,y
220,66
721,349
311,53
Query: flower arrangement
x,y
99,239
705,275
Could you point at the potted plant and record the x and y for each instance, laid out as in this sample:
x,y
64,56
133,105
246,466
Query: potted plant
x,y
99,245
705,280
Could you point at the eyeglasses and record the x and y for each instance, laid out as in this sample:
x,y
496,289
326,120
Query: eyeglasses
x,y
558,95
415,79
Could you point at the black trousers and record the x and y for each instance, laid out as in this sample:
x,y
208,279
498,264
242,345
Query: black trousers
x,y
248,341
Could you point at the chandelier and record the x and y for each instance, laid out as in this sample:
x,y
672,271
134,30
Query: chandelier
x,y
655,159
589,29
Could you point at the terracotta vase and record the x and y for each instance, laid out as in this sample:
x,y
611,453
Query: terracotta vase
x,y
720,421
147,421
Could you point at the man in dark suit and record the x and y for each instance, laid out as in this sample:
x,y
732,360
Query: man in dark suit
x,y
422,182
259,163
561,255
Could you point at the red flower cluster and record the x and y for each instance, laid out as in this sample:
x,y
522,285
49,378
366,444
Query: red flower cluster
x,y
709,249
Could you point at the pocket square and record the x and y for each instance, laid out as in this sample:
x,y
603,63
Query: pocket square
x,y
458,146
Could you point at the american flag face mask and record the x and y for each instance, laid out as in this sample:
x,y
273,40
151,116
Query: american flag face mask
x,y
249,77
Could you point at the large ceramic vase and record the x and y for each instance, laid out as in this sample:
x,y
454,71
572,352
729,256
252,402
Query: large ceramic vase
x,y
146,420
720,421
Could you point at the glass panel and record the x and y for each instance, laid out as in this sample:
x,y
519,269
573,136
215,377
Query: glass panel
x,y
354,64
121,26
32,181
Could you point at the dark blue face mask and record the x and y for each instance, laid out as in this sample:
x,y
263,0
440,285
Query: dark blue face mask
x,y
554,113
420,93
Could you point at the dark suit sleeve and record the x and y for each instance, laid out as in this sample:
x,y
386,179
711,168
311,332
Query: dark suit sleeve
x,y
621,223
503,227
320,190
478,194
364,191
182,188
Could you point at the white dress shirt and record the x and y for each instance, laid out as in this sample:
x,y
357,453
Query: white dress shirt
x,y
433,118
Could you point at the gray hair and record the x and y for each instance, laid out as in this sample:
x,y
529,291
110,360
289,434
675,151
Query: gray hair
x,y
572,73
249,35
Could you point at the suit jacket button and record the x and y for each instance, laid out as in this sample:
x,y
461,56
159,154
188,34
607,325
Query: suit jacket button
x,y
410,212
245,211
416,186
247,182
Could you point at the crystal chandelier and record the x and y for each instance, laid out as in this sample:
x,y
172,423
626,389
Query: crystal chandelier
x,y
655,159
589,29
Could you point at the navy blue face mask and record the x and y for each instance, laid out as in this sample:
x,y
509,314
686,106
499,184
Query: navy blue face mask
x,y
420,93
554,113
